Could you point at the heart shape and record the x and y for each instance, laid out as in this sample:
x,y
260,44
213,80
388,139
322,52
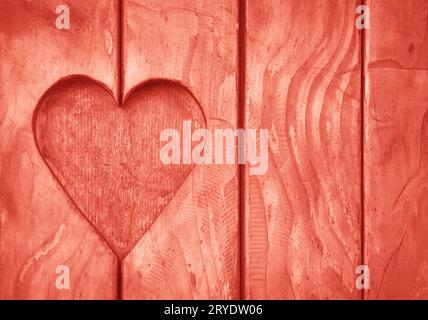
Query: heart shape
x,y
106,157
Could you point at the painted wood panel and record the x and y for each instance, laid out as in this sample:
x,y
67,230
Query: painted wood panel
x,y
40,228
302,219
396,140
292,67
191,251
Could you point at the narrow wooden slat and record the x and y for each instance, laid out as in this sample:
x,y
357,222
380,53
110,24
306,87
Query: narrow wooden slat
x,y
396,135
192,248
302,222
40,228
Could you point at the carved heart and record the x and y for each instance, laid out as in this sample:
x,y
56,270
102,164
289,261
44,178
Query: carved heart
x,y
107,157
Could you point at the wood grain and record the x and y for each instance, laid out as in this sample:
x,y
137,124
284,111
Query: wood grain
x,y
192,249
303,224
396,135
40,228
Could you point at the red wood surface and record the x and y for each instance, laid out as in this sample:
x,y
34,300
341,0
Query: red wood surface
x,y
40,228
81,184
303,84
396,137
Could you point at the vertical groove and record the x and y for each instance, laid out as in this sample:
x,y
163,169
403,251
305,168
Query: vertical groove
x,y
120,50
120,82
241,124
362,106
119,281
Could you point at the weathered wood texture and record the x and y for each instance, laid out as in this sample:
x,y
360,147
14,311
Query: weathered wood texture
x,y
303,84
40,228
192,249
396,149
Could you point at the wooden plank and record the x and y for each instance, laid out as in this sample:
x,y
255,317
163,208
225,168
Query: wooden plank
x,y
302,222
192,248
40,228
396,137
